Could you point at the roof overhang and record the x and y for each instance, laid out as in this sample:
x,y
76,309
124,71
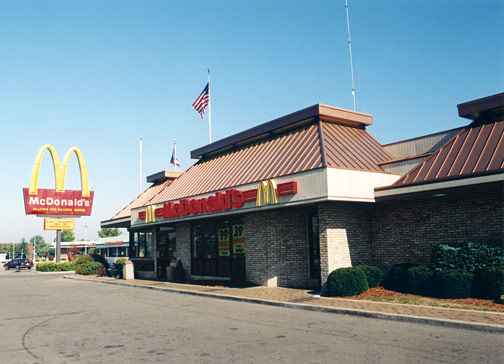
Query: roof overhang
x,y
491,106
123,222
163,176
388,193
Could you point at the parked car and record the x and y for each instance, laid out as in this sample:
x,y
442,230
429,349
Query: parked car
x,y
18,263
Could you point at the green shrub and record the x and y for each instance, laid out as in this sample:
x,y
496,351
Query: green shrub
x,y
488,283
90,268
101,259
396,278
419,279
84,259
374,275
46,267
55,267
452,283
117,268
347,282
470,256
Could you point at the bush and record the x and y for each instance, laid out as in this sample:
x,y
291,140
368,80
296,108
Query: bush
x,y
469,257
347,282
46,267
419,279
374,275
397,279
84,259
452,283
101,259
55,267
90,268
488,283
117,268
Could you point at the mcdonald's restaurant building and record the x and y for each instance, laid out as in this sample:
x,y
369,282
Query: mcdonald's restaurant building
x,y
288,201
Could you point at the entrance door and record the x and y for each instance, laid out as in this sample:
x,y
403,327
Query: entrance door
x,y
166,250
218,249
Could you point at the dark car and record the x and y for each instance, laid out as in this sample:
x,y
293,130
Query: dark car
x,y
18,263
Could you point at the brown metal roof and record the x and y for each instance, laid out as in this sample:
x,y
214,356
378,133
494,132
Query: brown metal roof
x,y
352,148
292,152
476,150
317,137
143,199
295,151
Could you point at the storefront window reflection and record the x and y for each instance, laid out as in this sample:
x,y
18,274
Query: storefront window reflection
x,y
142,244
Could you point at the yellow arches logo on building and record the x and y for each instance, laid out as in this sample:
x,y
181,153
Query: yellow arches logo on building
x,y
150,215
59,170
266,193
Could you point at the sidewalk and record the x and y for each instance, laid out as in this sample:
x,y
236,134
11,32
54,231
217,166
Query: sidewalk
x,y
305,299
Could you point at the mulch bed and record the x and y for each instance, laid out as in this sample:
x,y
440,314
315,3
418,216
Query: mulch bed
x,y
382,292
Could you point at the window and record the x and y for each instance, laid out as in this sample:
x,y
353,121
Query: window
x,y
142,244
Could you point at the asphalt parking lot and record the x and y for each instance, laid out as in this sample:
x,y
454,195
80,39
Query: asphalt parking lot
x,y
48,319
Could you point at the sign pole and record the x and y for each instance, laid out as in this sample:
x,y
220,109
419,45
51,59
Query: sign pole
x,y
58,246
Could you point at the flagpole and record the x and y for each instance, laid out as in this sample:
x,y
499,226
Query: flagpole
x,y
175,154
140,180
209,110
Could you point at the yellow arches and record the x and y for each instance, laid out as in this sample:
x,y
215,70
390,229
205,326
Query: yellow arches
x,y
266,193
59,170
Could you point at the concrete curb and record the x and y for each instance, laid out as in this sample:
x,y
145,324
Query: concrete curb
x,y
345,311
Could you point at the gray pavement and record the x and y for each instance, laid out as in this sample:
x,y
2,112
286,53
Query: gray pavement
x,y
307,300
47,319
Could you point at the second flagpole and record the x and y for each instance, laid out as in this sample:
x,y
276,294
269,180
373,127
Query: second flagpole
x,y
209,110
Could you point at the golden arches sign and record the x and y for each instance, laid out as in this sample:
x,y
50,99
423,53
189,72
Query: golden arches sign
x,y
150,215
59,170
266,193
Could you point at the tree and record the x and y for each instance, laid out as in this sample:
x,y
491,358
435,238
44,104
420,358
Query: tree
x,y
108,232
22,249
42,246
67,235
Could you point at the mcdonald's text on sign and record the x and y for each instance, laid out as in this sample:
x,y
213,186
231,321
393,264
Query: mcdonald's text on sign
x,y
59,224
52,202
266,193
41,201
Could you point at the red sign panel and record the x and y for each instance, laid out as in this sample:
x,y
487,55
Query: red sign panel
x,y
51,202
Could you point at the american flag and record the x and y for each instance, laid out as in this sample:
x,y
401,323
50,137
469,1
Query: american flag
x,y
174,159
202,101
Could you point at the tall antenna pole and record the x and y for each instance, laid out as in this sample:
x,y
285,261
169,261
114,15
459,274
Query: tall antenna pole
x,y
140,180
209,110
350,49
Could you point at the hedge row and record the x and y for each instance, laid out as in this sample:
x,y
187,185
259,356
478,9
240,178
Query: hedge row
x,y
469,257
55,267
486,283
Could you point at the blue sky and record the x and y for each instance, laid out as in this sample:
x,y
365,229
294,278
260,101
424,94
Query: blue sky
x,y
98,74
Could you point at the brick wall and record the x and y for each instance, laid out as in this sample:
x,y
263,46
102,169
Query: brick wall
x,y
345,236
183,243
277,248
407,230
